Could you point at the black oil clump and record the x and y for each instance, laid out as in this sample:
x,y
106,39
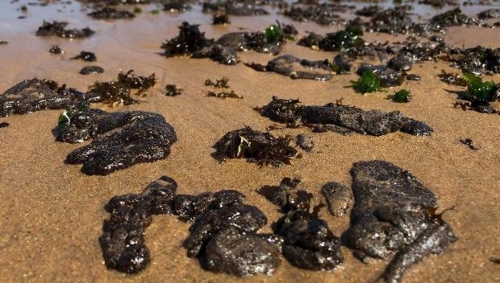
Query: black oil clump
x,y
120,139
122,242
394,213
307,243
338,198
85,56
452,78
469,143
371,122
323,14
91,70
189,40
295,68
342,40
223,234
176,5
56,50
173,90
220,19
56,28
224,237
111,13
193,43
255,146
34,95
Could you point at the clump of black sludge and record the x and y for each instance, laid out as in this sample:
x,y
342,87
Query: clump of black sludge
x,y
40,94
122,241
120,139
255,146
296,68
223,232
85,56
342,118
111,13
59,29
393,215
264,148
306,240
236,8
91,70
192,42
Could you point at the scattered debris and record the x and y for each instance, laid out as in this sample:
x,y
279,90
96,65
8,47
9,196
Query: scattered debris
x,y
469,142
224,85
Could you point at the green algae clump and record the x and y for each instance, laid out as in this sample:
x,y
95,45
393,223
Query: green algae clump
x,y
368,82
480,89
402,96
273,34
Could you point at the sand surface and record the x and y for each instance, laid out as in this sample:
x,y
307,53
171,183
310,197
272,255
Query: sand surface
x,y
51,214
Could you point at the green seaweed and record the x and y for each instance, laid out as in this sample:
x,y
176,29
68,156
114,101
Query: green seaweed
x,y
343,40
273,34
368,82
402,96
480,89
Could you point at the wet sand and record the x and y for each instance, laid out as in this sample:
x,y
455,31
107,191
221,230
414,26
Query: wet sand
x,y
51,214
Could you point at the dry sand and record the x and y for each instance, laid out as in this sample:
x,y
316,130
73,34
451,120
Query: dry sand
x,y
51,214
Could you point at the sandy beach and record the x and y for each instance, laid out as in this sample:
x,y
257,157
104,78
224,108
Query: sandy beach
x,y
51,214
